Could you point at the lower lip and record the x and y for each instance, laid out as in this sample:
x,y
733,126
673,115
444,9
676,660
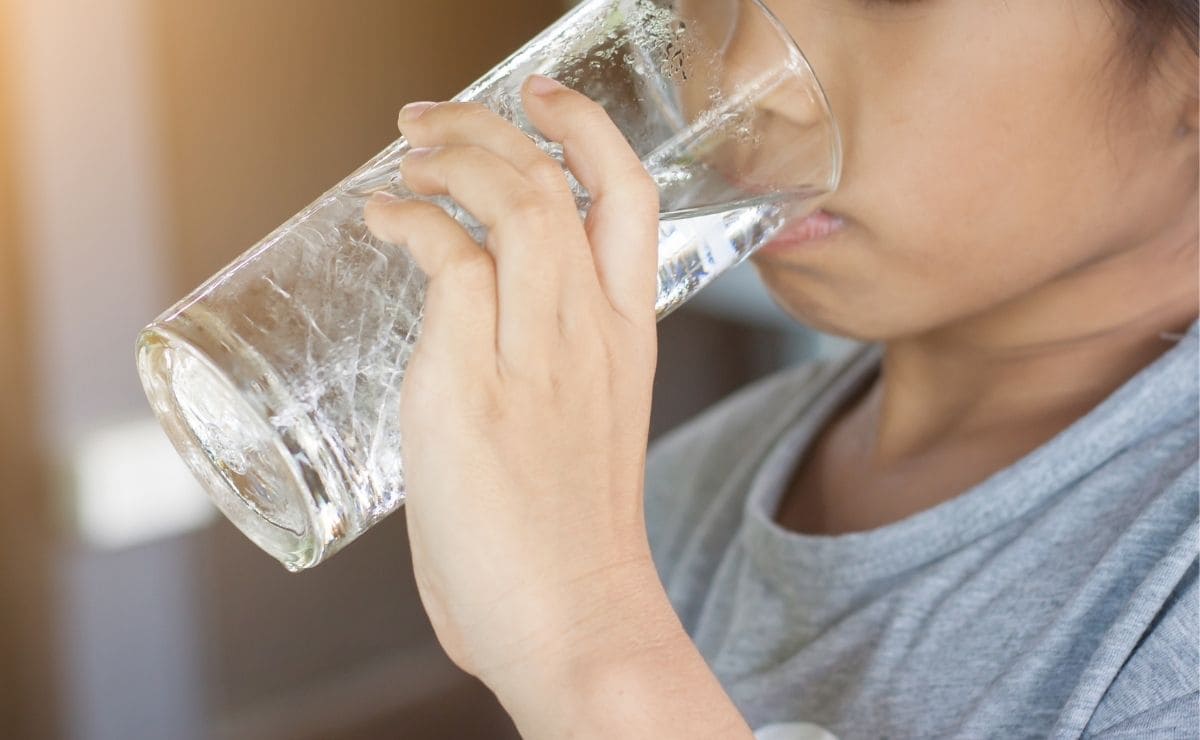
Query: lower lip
x,y
816,228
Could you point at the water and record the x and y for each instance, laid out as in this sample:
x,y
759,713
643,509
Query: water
x,y
695,247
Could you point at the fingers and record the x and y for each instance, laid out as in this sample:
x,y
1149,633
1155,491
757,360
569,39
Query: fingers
x,y
441,124
553,276
460,298
446,125
622,224
538,243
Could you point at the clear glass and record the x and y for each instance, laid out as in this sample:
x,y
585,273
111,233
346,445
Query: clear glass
x,y
278,380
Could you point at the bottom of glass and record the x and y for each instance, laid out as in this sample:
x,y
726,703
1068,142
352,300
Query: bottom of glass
x,y
223,434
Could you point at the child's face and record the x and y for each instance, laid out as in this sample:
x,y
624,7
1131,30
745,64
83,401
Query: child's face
x,y
991,147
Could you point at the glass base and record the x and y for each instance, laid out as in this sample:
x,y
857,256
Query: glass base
x,y
257,475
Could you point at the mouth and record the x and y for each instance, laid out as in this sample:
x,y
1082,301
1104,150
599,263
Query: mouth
x,y
816,229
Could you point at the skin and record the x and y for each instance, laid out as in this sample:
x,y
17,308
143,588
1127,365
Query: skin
x,y
1021,227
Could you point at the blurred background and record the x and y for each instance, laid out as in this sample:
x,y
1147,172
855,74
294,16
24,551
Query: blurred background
x,y
144,144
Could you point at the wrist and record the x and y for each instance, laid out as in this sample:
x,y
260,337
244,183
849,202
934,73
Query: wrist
x,y
613,614
632,673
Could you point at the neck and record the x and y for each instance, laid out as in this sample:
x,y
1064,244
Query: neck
x,y
1013,370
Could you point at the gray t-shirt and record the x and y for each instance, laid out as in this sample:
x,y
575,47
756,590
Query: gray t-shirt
x,y
1057,598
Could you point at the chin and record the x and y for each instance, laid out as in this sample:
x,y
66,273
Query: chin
x,y
839,318
815,306
827,320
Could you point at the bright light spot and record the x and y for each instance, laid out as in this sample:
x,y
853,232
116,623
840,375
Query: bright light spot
x,y
131,487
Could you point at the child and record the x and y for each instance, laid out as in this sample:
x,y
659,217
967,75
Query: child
x,y
982,523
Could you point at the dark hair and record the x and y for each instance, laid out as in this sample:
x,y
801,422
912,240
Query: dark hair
x,y
1153,24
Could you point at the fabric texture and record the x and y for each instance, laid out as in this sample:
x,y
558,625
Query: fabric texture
x,y
1058,598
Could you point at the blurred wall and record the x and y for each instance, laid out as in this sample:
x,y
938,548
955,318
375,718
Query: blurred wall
x,y
26,677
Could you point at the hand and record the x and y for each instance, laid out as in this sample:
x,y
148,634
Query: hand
x,y
526,403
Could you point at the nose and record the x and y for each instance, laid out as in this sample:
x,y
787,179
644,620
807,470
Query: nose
x,y
800,139
817,32
762,119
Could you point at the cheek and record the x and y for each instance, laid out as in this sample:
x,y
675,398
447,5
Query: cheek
x,y
956,218
991,204
981,200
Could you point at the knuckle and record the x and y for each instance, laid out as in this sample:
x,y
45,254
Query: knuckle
x,y
448,111
475,156
595,123
472,266
547,172
454,156
468,116
593,112
531,205
473,110
640,186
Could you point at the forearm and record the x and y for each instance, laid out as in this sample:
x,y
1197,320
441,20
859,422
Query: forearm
x,y
651,682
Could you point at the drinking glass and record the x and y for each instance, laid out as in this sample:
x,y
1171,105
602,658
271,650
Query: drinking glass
x,y
278,380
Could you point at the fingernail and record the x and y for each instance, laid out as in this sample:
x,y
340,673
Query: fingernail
x,y
543,85
413,111
382,198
